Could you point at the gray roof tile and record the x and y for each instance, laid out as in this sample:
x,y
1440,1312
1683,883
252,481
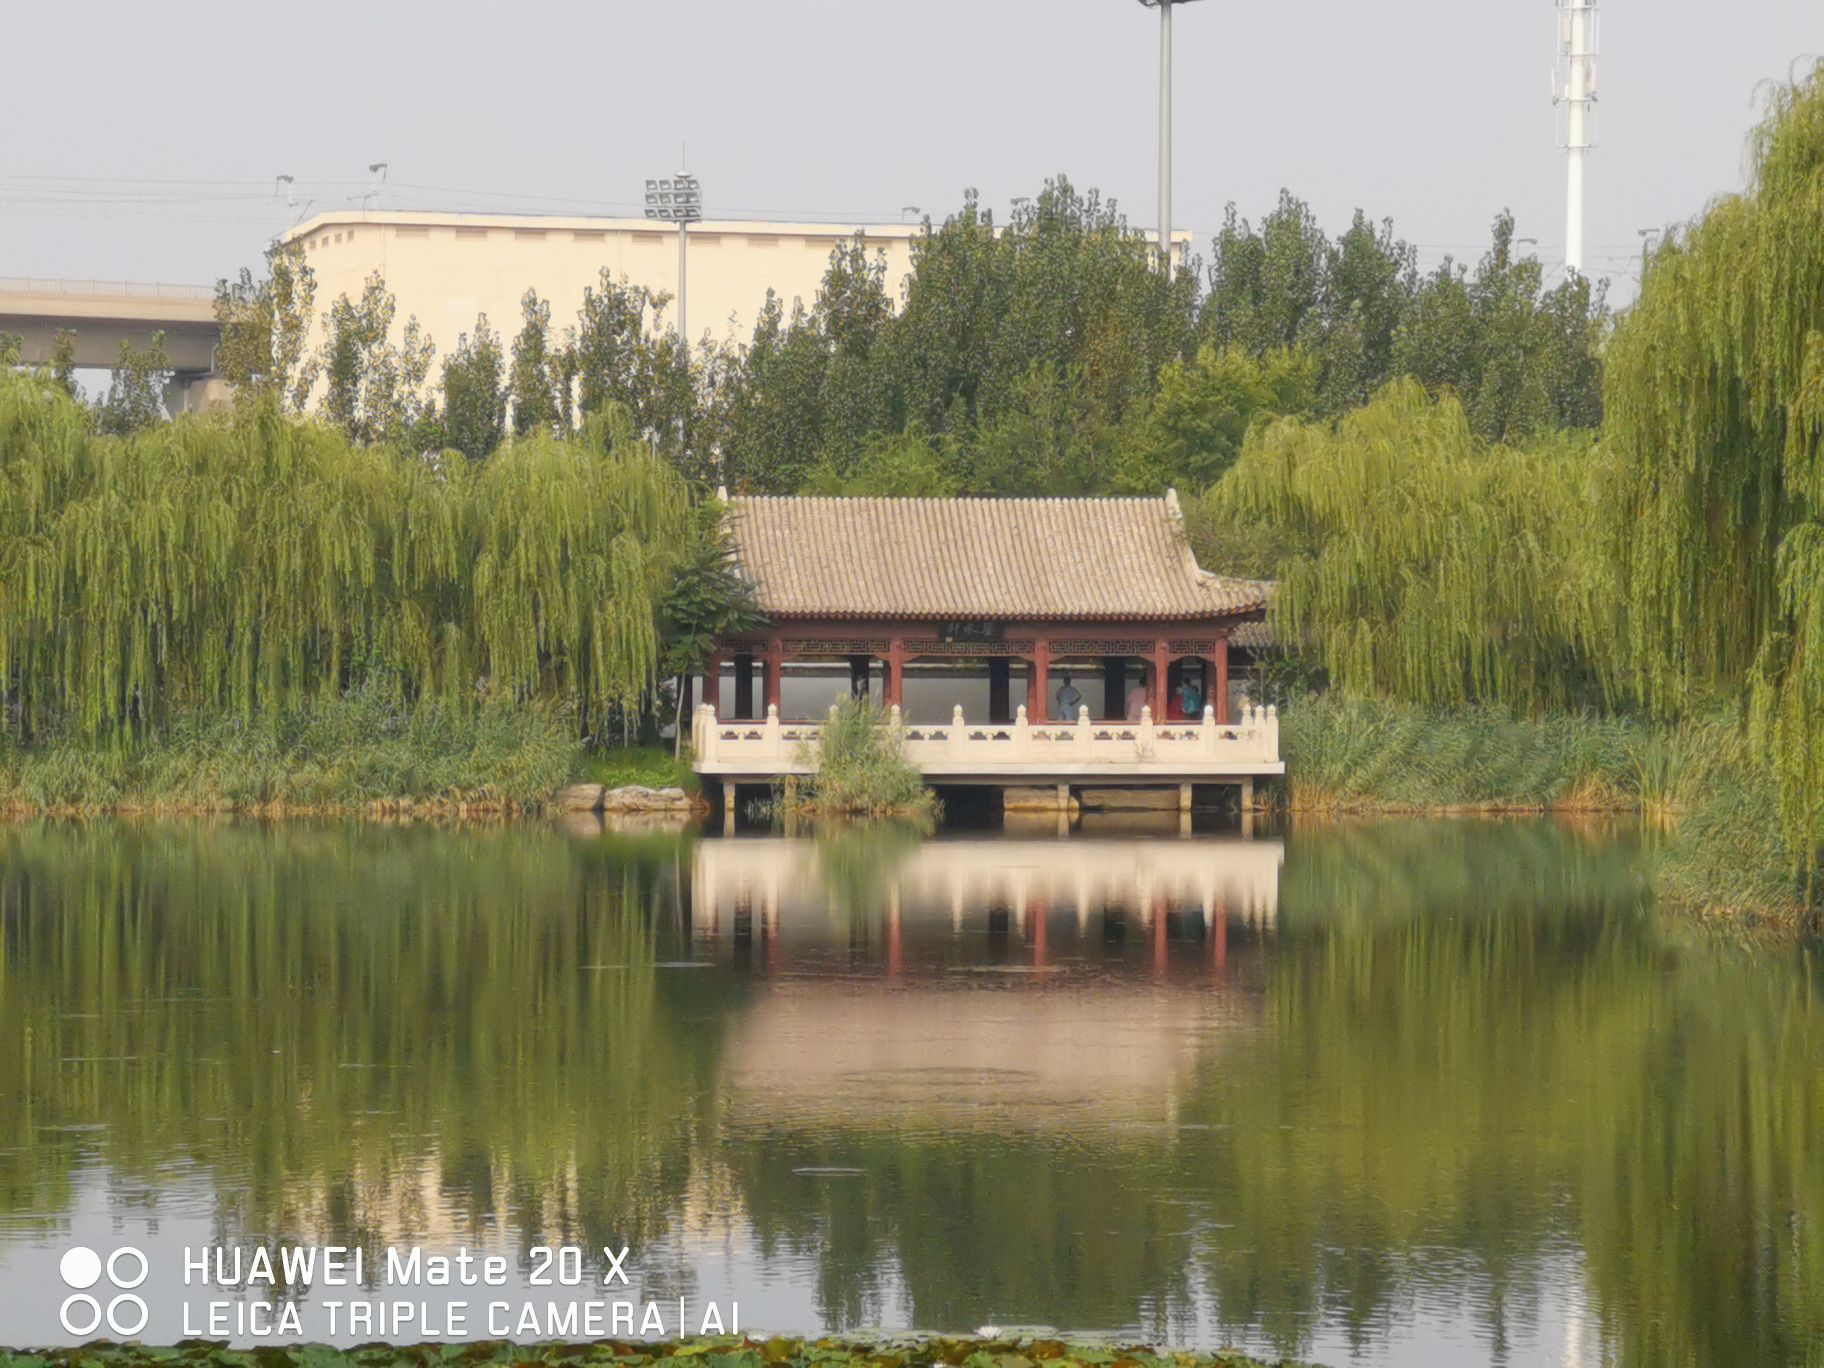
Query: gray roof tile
x,y
1084,559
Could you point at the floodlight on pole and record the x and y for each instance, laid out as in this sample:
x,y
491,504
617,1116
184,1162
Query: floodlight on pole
x,y
1165,125
677,199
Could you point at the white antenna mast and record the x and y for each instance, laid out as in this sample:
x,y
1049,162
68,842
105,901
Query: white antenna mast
x,y
1577,43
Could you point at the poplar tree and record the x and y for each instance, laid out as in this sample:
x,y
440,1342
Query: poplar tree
x,y
474,397
532,388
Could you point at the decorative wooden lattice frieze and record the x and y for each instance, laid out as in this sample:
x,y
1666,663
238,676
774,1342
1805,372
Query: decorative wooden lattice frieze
x,y
838,646
932,646
1101,646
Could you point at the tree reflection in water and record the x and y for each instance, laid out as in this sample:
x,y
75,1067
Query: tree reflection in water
x,y
1457,1074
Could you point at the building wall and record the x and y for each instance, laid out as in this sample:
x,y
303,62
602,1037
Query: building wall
x,y
447,268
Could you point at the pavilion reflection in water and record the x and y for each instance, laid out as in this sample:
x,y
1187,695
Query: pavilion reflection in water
x,y
777,885
983,983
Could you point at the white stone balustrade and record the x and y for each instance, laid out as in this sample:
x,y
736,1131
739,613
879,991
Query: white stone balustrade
x,y
1022,750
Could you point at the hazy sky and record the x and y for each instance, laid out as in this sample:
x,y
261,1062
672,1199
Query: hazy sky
x,y
147,136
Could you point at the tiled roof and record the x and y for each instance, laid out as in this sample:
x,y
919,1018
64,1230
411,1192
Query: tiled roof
x,y
1256,636
968,559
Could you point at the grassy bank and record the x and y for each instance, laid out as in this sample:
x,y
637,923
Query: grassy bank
x,y
1697,785
350,754
778,1352
641,766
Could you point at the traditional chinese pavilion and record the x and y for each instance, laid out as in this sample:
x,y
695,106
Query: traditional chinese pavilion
x,y
980,605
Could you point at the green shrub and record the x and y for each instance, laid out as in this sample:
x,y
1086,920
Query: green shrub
x,y
862,767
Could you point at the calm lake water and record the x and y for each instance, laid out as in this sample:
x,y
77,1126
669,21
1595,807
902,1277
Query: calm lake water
x,y
1424,1093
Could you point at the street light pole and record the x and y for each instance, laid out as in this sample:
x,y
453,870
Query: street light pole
x,y
1165,126
1165,133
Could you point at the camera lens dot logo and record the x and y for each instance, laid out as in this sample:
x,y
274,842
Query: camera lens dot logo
x,y
82,1314
122,1259
81,1267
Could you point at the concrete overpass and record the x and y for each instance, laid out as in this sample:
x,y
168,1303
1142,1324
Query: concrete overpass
x,y
101,314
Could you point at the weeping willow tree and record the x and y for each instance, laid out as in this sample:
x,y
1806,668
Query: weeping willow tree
x,y
1715,401
256,563
1419,562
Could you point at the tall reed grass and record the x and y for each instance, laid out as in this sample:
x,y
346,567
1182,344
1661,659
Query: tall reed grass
x,y
350,752
1696,785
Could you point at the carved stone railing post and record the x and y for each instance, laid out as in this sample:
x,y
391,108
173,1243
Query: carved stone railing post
x,y
774,742
703,738
1206,734
959,731
1082,736
1272,734
1143,734
1022,735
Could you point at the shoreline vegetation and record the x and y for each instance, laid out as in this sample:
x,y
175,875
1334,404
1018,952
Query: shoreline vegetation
x,y
780,1351
1694,787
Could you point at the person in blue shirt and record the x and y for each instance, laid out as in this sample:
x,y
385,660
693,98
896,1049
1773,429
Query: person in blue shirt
x,y
1190,697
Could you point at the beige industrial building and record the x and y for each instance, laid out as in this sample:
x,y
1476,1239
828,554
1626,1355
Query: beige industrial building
x,y
444,269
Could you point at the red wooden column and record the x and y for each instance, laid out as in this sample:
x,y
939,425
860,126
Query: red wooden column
x,y
1162,664
896,673
1038,686
775,666
712,681
1220,696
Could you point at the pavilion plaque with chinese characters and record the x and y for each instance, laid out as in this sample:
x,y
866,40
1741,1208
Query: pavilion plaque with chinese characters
x,y
971,633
